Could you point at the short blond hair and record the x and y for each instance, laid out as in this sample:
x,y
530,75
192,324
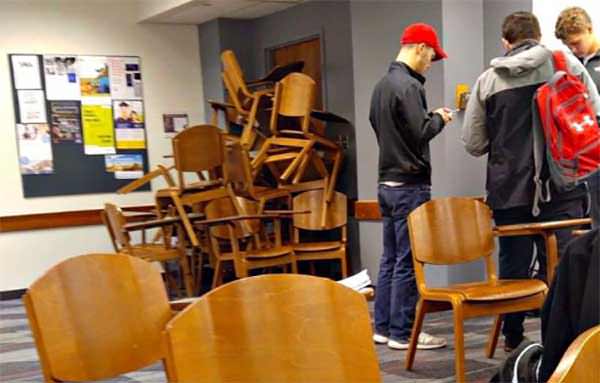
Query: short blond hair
x,y
571,21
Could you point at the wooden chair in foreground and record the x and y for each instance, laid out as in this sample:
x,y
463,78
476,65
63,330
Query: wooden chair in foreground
x,y
274,328
97,316
451,231
244,242
580,362
336,218
150,252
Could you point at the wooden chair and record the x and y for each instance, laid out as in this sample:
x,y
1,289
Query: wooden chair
x,y
337,218
97,316
294,100
274,328
151,252
244,183
244,242
451,231
198,149
580,361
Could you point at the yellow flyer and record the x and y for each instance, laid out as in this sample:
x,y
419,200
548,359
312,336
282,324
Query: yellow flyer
x,y
98,132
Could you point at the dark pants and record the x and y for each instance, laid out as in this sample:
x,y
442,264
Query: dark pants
x,y
594,185
516,252
397,295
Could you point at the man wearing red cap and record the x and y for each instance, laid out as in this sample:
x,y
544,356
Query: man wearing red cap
x,y
403,127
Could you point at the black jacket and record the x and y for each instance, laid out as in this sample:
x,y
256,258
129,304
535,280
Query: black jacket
x,y
403,126
573,302
498,122
592,65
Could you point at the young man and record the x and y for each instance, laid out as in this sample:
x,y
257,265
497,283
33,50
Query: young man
x,y
498,122
403,127
574,29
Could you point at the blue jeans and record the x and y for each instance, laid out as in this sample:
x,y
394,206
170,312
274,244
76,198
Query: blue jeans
x,y
396,295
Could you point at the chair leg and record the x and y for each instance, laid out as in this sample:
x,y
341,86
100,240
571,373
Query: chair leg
x,y
344,266
493,338
416,330
459,342
294,265
188,279
217,275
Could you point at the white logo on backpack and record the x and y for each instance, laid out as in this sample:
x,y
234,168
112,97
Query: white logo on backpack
x,y
587,120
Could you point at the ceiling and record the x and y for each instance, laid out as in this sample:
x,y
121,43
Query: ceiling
x,y
200,11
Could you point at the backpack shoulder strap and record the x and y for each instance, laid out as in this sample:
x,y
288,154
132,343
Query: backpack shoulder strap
x,y
560,61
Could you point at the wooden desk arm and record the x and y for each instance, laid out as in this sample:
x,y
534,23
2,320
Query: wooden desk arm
x,y
539,227
220,105
160,222
181,304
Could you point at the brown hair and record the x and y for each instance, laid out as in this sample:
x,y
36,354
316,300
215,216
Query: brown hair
x,y
520,26
572,20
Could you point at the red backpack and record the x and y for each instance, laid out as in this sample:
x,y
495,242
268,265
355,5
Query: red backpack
x,y
566,130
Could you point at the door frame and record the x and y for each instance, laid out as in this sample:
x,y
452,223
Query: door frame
x,y
321,36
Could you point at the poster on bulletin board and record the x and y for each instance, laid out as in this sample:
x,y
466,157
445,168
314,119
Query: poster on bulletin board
x,y
80,122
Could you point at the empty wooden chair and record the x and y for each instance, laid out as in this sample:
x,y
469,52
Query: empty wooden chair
x,y
336,218
151,252
274,328
97,316
580,362
452,231
244,242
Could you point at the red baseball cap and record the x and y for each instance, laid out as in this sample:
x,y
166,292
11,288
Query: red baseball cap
x,y
423,33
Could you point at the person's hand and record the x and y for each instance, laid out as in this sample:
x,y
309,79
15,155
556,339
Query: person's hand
x,y
445,113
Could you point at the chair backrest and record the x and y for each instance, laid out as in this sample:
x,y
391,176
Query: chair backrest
x,y
580,361
97,316
312,200
451,230
233,75
274,328
224,207
115,222
240,169
196,149
294,97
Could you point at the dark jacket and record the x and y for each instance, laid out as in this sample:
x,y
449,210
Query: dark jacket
x,y
592,64
573,302
498,121
403,126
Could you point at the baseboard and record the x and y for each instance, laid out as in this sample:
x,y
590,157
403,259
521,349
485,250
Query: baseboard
x,y
11,294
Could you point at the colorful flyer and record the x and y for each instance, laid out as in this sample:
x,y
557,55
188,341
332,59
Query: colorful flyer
x,y
32,106
125,77
129,124
62,80
98,133
125,166
65,120
93,76
26,72
35,149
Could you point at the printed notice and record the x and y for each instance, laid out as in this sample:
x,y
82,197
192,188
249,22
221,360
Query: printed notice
x,y
35,149
65,119
93,76
129,124
98,133
62,80
125,166
32,106
125,77
26,72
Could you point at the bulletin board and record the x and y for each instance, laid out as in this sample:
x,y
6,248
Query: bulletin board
x,y
80,122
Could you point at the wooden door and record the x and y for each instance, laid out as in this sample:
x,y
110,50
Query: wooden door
x,y
308,51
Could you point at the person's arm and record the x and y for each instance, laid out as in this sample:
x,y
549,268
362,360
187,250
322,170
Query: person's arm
x,y
474,132
577,68
422,125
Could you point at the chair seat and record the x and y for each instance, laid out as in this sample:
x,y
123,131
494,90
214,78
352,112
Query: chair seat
x,y
501,289
267,192
268,253
152,252
317,246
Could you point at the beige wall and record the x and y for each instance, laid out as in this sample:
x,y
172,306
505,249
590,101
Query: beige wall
x,y
172,84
